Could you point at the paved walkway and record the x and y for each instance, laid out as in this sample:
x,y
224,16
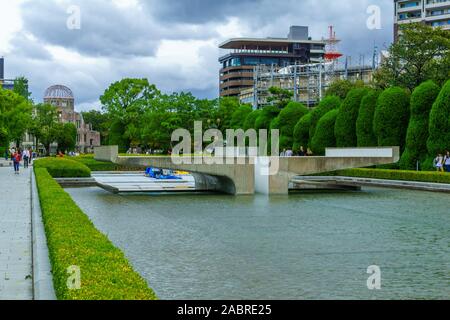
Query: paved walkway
x,y
15,235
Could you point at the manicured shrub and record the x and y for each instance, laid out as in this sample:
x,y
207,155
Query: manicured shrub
x,y
250,120
402,175
325,106
345,129
266,117
392,117
286,121
364,125
73,240
422,100
239,116
63,168
324,137
301,132
439,140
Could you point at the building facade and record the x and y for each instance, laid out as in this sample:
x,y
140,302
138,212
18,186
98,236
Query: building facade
x,y
5,83
435,13
237,72
63,99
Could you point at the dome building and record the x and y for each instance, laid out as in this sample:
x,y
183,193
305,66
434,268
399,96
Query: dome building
x,y
64,100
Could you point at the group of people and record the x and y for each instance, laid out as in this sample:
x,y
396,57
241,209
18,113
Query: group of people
x,y
442,163
18,155
300,153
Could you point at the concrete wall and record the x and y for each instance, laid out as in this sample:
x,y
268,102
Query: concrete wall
x,y
108,153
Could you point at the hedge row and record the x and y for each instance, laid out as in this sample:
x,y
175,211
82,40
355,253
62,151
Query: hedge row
x,y
403,175
73,240
63,168
96,165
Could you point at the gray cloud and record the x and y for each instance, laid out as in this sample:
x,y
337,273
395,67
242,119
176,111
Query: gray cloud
x,y
116,42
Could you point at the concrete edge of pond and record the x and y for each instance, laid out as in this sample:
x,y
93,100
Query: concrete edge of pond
x,y
42,271
382,183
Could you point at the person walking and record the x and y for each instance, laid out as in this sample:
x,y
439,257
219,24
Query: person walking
x,y
439,163
16,160
447,162
26,158
30,153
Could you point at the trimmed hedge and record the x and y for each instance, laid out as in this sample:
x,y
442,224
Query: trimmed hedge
x,y
96,165
439,140
73,240
422,101
402,175
266,117
249,122
325,106
286,122
301,132
392,117
364,125
239,116
324,137
63,168
345,129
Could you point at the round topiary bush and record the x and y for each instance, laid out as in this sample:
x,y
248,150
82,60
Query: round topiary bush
x,y
239,116
324,137
422,100
301,132
439,139
250,120
392,117
265,118
345,130
325,106
286,121
364,125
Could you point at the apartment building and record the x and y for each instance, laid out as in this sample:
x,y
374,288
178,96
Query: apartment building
x,y
435,13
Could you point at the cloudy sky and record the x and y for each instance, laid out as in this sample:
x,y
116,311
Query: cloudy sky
x,y
173,43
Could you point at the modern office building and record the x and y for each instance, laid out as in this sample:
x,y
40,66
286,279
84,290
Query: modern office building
x,y
435,13
237,73
63,98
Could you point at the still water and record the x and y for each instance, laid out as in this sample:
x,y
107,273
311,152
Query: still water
x,y
302,246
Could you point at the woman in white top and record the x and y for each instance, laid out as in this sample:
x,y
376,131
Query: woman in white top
x,y
439,163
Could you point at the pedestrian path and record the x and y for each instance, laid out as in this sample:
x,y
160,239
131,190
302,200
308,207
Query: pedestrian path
x,y
16,281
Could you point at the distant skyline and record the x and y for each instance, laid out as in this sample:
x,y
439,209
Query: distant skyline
x,y
173,43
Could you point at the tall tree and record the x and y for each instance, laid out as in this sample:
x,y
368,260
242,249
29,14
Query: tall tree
x,y
421,53
43,125
21,87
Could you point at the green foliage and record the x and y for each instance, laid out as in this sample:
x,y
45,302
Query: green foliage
x,y
100,122
280,97
21,88
239,116
421,53
345,130
65,136
301,132
324,136
265,118
73,240
439,139
15,116
286,122
44,125
326,105
341,88
63,168
95,165
250,121
391,117
422,100
364,125
402,175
